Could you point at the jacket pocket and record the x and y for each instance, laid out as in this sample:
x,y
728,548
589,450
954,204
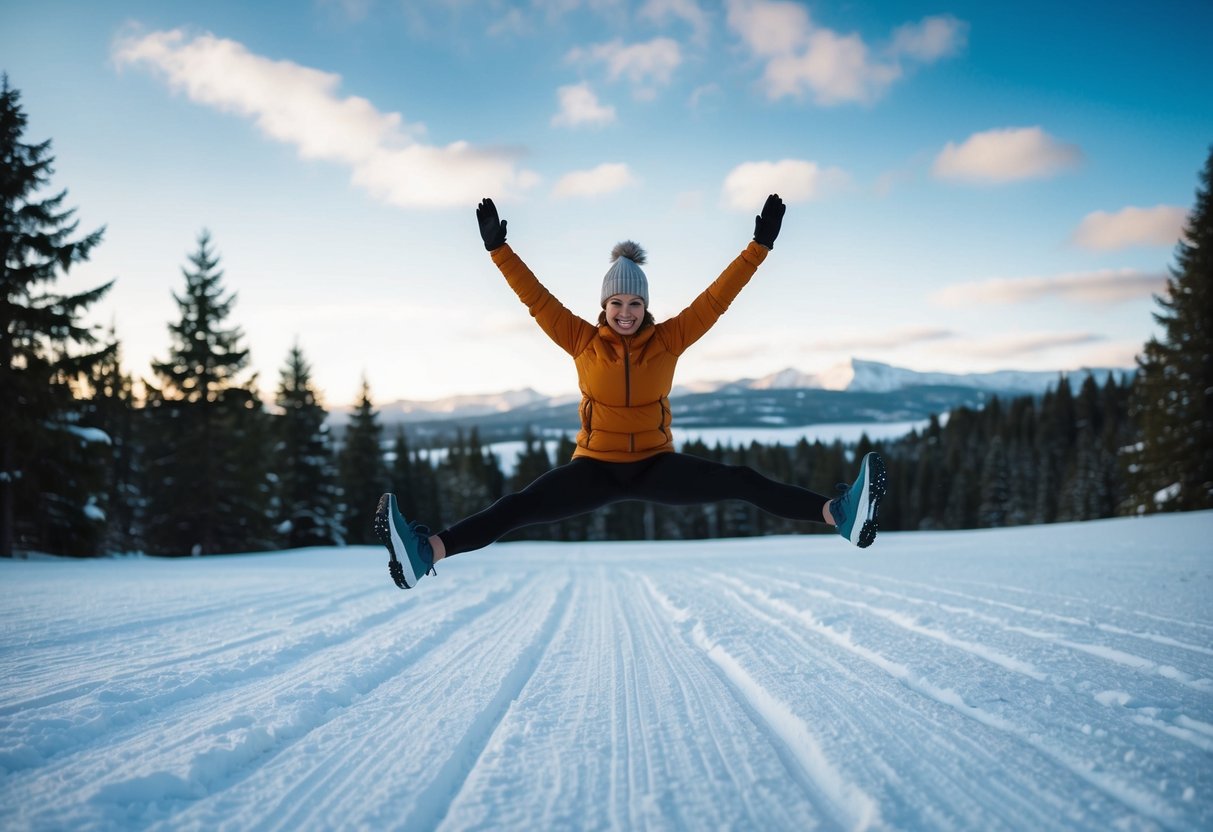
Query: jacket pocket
x,y
587,417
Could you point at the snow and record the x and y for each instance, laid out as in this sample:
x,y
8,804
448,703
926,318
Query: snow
x,y
1051,677
1166,495
89,434
93,511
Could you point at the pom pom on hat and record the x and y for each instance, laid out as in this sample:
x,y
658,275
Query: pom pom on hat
x,y
630,250
625,277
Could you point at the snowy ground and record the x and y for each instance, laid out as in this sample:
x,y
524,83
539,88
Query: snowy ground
x,y
1041,678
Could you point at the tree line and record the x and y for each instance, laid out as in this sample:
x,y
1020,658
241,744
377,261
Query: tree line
x,y
196,463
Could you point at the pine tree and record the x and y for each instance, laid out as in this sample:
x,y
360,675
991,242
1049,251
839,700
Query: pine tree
x,y
209,444
403,472
961,480
532,463
470,477
1021,427
1055,440
995,486
362,469
40,337
415,482
1117,435
204,359
924,500
308,496
1172,404
110,407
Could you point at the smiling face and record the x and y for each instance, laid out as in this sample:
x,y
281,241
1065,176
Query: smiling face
x,y
624,313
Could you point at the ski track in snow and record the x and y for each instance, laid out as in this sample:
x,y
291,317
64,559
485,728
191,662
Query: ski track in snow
x,y
1046,678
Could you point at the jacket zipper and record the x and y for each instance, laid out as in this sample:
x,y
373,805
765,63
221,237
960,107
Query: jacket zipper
x,y
627,388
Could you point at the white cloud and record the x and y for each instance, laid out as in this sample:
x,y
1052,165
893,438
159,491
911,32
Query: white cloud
x,y
579,106
894,338
835,68
1025,343
513,22
1006,155
930,39
770,28
1098,287
795,180
1109,354
604,179
837,342
642,64
1162,225
300,106
688,11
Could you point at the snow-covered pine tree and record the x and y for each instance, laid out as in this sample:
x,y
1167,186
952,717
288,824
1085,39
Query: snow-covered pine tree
x,y
1170,467
363,474
208,442
308,496
47,464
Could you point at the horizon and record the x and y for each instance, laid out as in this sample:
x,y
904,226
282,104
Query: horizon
x,y
969,189
708,385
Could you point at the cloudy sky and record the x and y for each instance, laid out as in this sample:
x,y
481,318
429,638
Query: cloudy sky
x,y
971,186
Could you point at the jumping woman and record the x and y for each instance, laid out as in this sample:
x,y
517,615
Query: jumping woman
x,y
625,449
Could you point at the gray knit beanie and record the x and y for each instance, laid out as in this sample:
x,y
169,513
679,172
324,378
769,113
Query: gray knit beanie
x,y
625,277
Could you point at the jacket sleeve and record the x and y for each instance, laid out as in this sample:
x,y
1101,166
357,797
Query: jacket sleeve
x,y
571,333
689,325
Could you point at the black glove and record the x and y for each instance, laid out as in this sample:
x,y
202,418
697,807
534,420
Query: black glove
x,y
766,224
492,229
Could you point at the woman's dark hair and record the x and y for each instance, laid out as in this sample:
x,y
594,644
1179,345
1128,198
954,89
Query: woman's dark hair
x,y
645,322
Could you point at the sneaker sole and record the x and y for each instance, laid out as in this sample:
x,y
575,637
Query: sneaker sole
x,y
385,530
874,491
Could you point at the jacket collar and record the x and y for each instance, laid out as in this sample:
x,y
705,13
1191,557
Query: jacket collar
x,y
638,340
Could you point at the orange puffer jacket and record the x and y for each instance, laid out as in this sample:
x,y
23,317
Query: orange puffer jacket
x,y
625,381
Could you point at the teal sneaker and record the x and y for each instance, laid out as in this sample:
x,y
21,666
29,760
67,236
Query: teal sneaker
x,y
410,540
854,511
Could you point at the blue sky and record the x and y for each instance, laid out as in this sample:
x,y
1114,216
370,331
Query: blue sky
x,y
971,186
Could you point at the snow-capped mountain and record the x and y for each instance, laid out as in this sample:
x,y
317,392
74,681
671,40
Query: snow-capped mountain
x,y
482,404
859,376
874,377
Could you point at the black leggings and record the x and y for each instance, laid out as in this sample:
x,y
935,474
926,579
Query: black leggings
x,y
673,479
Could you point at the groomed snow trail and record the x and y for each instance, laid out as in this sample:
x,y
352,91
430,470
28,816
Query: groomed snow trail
x,y
1048,678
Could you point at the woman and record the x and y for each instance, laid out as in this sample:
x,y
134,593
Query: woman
x,y
625,451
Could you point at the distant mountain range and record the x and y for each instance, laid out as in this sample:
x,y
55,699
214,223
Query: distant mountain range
x,y
855,391
858,376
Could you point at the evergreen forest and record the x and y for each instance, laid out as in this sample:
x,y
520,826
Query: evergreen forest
x,y
193,462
